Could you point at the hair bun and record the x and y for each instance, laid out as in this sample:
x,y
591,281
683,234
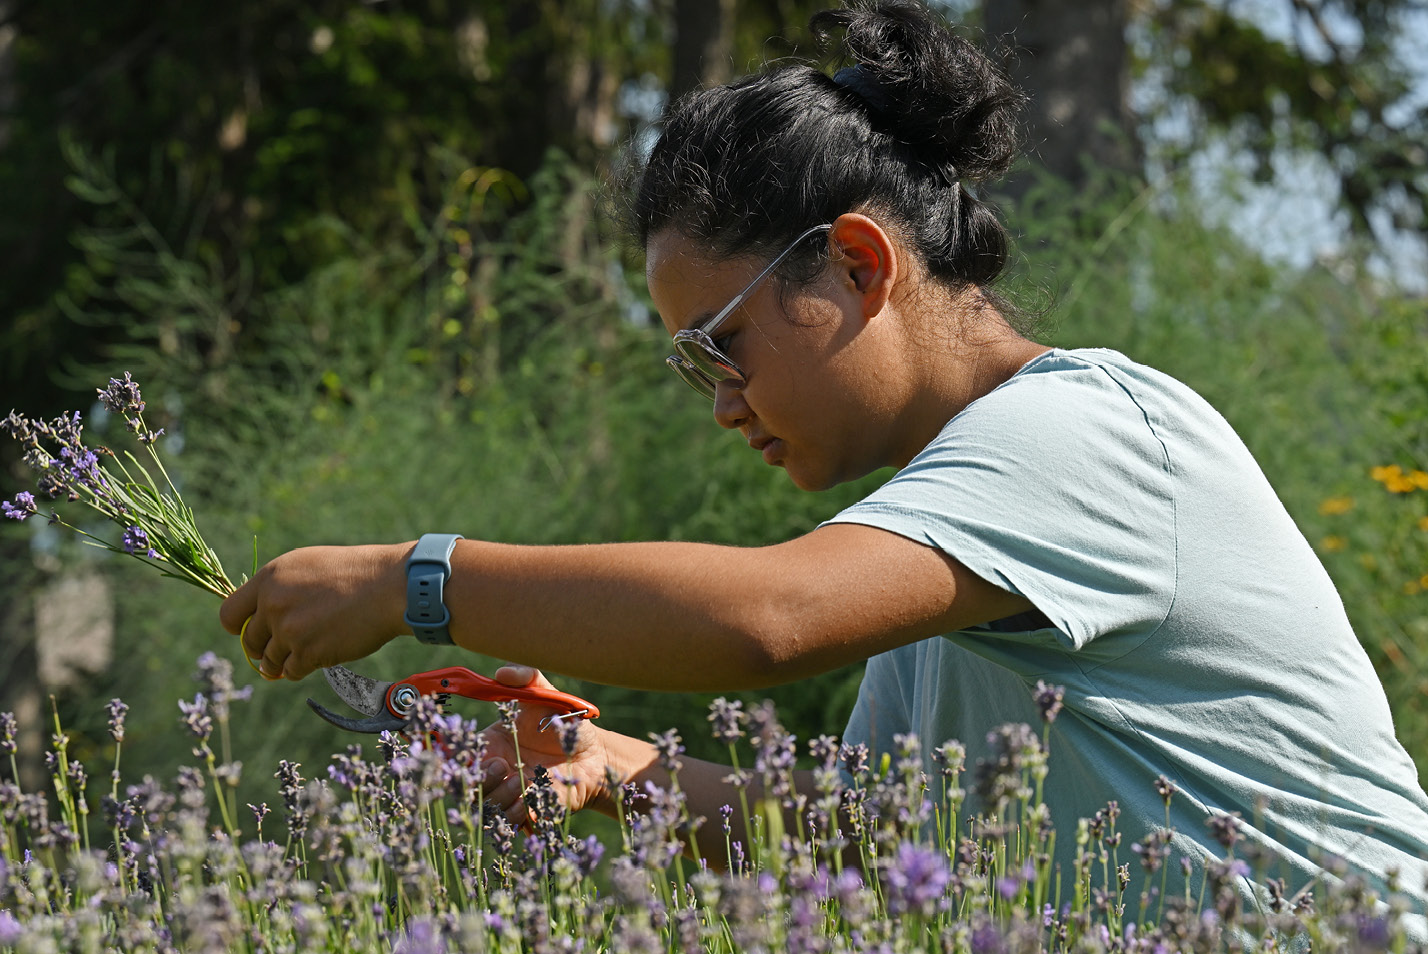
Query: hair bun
x,y
929,88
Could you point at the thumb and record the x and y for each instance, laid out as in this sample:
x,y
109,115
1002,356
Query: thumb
x,y
513,675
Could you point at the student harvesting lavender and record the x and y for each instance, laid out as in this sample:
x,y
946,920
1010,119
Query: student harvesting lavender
x,y
816,251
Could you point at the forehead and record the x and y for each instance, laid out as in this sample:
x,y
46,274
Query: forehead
x,y
685,282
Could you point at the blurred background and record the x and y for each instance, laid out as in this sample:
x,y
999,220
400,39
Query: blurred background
x,y
355,254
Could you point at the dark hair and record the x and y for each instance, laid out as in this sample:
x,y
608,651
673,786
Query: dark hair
x,y
744,168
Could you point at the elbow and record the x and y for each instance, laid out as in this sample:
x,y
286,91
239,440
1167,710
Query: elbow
x,y
773,646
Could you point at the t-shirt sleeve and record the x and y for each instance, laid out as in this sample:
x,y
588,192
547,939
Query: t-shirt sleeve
x,y
1056,487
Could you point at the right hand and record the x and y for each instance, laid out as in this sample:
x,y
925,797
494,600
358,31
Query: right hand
x,y
583,769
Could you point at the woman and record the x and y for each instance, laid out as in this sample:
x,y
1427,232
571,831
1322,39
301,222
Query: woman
x,y
814,251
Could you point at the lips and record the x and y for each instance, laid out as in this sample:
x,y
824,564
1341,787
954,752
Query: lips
x,y
770,447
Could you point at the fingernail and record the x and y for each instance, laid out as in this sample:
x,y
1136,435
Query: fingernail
x,y
495,769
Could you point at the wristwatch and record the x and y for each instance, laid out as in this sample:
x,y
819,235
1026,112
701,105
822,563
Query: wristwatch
x,y
428,569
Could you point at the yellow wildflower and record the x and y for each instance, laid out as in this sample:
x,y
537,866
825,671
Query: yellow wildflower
x,y
1333,544
1384,474
1395,481
1333,506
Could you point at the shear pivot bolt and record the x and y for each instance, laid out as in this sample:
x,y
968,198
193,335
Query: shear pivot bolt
x,y
403,698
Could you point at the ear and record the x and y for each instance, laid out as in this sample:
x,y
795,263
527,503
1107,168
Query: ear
x,y
866,265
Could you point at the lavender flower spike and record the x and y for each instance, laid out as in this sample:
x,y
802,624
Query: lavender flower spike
x,y
122,397
117,711
26,508
134,539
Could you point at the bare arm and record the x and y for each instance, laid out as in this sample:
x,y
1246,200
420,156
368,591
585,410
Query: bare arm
x,y
672,616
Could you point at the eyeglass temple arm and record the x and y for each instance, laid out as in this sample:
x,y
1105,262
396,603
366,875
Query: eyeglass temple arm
x,y
738,299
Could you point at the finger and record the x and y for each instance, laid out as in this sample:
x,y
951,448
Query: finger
x,y
239,606
295,667
493,773
274,658
254,636
506,792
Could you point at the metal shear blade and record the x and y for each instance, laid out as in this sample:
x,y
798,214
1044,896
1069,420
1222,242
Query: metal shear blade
x,y
368,696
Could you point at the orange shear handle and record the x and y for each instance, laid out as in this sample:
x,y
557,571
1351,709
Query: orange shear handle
x,y
460,681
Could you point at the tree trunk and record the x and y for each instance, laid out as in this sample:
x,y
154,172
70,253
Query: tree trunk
x,y
7,71
703,44
1070,57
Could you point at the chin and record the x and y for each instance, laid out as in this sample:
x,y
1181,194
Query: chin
x,y
810,482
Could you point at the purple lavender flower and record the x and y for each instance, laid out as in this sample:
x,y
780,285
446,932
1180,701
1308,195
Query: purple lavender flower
x,y
215,675
117,710
122,397
855,758
728,719
1374,932
19,427
196,717
917,879
1048,700
567,729
1225,828
668,745
1153,849
421,936
586,854
986,939
118,813
1165,788
23,507
8,729
11,930
1017,752
134,539
950,757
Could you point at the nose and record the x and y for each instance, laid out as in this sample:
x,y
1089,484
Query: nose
x,y
730,408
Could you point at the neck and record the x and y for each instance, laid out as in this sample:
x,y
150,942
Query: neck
x,y
969,369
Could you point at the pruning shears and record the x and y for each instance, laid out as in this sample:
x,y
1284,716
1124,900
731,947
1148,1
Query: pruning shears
x,y
388,705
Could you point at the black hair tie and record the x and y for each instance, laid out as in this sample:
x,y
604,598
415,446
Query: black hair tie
x,y
861,81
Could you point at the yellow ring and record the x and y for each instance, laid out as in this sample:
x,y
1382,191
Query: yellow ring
x,y
243,631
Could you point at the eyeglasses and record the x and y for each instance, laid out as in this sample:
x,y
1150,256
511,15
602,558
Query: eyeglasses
x,y
697,360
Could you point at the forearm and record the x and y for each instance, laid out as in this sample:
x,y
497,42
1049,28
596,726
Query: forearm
x,y
670,616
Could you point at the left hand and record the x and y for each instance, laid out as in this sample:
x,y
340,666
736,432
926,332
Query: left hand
x,y
319,606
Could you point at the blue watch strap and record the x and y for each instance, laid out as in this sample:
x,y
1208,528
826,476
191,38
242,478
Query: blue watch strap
x,y
428,568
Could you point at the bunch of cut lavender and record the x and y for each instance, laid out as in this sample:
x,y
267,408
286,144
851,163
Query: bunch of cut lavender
x,y
156,527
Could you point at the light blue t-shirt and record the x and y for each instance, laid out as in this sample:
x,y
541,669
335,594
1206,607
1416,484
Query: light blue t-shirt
x,y
1195,631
